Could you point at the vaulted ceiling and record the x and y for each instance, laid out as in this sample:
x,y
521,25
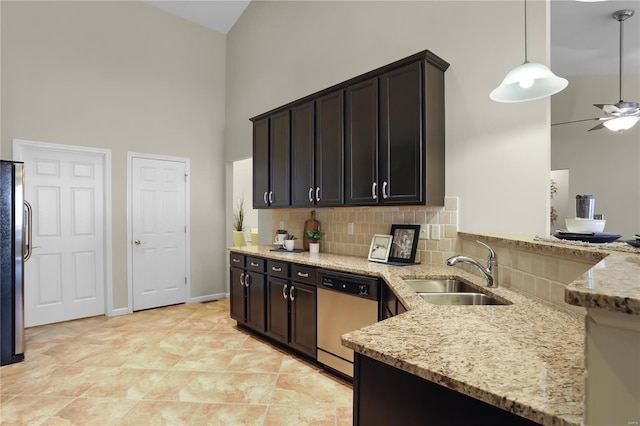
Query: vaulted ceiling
x,y
584,36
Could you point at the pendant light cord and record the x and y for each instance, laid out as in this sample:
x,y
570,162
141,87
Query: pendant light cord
x,y
526,60
620,65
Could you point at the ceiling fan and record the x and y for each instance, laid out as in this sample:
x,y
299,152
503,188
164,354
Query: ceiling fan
x,y
622,115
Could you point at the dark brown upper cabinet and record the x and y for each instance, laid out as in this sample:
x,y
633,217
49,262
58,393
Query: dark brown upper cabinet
x,y
302,155
361,146
261,163
376,139
317,147
329,150
271,157
401,148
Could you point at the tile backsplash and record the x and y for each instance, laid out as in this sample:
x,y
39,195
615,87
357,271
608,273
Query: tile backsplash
x,y
368,221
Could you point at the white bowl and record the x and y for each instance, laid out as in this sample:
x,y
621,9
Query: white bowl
x,y
584,225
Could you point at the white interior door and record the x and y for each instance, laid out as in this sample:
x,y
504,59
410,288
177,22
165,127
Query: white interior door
x,y
159,232
65,277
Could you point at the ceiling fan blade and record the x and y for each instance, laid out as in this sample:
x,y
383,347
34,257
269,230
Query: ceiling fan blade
x,y
598,127
579,121
608,108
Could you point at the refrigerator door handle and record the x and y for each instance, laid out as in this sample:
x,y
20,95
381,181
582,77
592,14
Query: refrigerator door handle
x,y
27,230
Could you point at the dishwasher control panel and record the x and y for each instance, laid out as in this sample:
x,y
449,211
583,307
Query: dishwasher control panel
x,y
355,285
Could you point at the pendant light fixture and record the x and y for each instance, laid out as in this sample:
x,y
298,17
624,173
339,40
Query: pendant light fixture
x,y
528,81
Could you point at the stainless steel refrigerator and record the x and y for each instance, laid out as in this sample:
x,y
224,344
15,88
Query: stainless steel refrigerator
x,y
15,249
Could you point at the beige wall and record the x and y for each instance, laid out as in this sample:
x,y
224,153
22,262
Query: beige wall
x,y
497,154
126,77
601,162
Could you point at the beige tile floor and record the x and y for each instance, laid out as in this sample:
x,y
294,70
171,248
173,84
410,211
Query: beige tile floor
x,y
184,364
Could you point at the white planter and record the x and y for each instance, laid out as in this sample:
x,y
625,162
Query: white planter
x,y
314,248
239,239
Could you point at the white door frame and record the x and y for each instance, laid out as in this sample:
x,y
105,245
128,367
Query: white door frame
x,y
19,145
187,164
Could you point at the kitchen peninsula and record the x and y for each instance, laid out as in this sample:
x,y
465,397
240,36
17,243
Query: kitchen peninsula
x,y
526,357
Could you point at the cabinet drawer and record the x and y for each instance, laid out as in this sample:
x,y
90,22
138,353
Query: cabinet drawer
x,y
278,269
303,274
236,260
255,264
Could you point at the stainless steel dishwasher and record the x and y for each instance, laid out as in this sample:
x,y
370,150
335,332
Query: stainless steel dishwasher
x,y
346,302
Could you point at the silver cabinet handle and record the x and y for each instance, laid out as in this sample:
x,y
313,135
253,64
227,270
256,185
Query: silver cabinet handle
x,y
242,275
384,190
137,242
311,195
303,275
234,260
265,197
255,264
276,269
291,293
247,280
284,292
373,191
271,197
28,241
317,194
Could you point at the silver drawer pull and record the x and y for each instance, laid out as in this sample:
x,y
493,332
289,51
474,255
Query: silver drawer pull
x,y
235,260
255,264
277,269
303,275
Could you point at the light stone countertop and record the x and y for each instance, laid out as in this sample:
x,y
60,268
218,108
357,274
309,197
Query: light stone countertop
x,y
526,357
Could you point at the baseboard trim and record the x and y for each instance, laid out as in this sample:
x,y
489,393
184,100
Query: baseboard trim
x,y
119,311
208,298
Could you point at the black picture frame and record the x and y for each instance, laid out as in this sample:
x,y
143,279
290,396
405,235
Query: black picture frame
x,y
405,243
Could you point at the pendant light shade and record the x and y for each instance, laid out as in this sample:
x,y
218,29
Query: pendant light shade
x,y
528,81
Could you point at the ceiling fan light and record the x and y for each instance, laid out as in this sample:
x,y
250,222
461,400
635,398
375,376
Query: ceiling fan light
x,y
528,82
621,123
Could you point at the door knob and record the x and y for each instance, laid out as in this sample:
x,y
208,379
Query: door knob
x,y
137,242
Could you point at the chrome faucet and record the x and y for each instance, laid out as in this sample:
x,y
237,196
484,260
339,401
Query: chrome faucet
x,y
490,273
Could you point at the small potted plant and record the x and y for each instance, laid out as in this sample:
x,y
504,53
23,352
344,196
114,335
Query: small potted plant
x,y
314,235
239,239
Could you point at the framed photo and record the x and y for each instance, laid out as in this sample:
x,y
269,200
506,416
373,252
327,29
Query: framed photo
x,y
405,243
379,249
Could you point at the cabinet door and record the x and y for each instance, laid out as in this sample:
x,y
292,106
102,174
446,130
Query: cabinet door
x,y
236,293
361,143
261,163
329,158
256,301
279,160
278,309
303,318
401,136
302,153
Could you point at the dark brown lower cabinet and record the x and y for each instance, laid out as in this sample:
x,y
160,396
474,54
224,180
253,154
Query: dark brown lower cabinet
x,y
291,314
384,395
390,305
247,293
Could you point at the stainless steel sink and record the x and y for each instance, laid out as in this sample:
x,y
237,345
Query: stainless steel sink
x,y
459,299
440,285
